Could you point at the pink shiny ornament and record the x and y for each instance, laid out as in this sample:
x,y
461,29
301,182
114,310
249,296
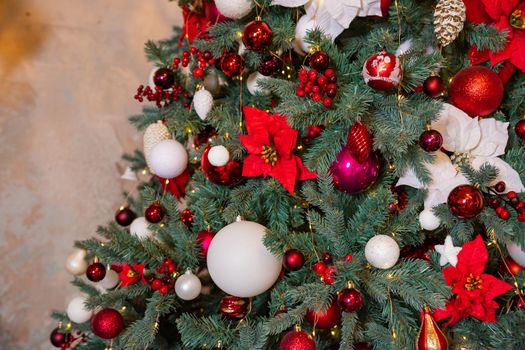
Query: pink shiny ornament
x,y
204,238
352,177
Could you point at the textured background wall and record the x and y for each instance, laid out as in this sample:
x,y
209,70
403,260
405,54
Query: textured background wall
x,y
68,70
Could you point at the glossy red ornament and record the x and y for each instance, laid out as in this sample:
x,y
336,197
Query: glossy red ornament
x,y
164,78
257,35
465,201
430,140
434,86
362,346
350,300
269,66
430,336
107,323
232,64
227,175
476,90
325,319
519,128
297,340
510,266
96,272
518,301
352,177
186,217
59,338
359,142
125,216
319,268
319,61
234,308
154,213
382,71
204,239
293,260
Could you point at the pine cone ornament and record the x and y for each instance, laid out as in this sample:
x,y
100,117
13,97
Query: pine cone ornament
x,y
202,102
449,17
154,134
359,142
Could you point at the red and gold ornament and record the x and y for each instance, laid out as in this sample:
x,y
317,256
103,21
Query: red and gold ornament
x,y
325,319
293,260
232,64
204,239
430,336
297,339
257,35
226,175
350,299
96,272
234,308
107,323
59,338
154,213
434,86
382,71
125,216
359,142
465,201
519,129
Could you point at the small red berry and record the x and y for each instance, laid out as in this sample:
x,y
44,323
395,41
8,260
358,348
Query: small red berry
x,y
349,257
299,92
319,268
511,194
329,72
176,60
185,54
171,269
499,210
505,215
316,96
207,55
327,102
327,258
198,72
322,80
331,92
521,217
520,205
164,290
327,279
156,284
500,186
312,75
316,88
332,79
193,49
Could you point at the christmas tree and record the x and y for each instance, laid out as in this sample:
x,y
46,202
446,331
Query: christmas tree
x,y
319,175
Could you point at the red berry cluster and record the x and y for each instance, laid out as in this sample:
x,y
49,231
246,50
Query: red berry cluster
x,y
164,284
203,60
316,86
326,270
163,97
500,202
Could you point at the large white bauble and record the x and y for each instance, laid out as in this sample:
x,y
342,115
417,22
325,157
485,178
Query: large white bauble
x,y
188,286
140,228
234,9
304,25
218,155
252,83
76,262
76,310
110,280
516,254
382,251
428,221
168,159
202,102
154,134
238,261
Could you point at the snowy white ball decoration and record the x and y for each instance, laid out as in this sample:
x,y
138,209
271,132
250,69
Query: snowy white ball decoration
x,y
516,254
168,159
202,103
252,83
428,221
382,251
234,9
218,155
76,310
140,228
238,261
188,286
76,262
154,134
110,280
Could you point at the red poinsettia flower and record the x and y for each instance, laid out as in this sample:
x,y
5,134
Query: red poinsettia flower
x,y
270,142
505,15
474,290
131,275
197,20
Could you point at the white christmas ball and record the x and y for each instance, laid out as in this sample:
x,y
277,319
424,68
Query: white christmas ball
x,y
110,280
218,156
516,254
168,159
234,9
140,228
428,221
76,310
304,25
188,286
202,103
382,251
252,83
238,261
76,262
155,133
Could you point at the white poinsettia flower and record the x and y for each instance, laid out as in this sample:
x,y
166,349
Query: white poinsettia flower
x,y
472,139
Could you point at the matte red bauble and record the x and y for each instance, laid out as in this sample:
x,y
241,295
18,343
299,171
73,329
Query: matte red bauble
x,y
325,319
59,338
477,90
520,129
125,216
362,346
154,213
96,272
232,64
293,260
204,239
257,36
350,300
234,308
164,78
107,323
430,336
382,71
269,66
319,61
352,177
227,175
433,86
465,201
297,340
430,140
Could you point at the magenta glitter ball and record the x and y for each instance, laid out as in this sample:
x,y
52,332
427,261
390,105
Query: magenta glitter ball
x,y
431,140
351,177
204,239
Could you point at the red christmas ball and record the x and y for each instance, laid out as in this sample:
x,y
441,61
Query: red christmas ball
x,y
234,308
154,213
293,260
257,36
59,338
125,216
430,140
297,340
518,301
434,86
204,239
96,272
520,129
319,61
107,323
226,175
509,265
382,71
232,64
325,319
465,201
269,66
351,176
186,217
164,78
477,90
350,300
362,346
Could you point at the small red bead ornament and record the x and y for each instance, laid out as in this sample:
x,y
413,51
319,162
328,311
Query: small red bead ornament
x,y
465,201
293,260
125,216
107,323
433,86
96,272
382,71
297,339
257,35
325,319
154,213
